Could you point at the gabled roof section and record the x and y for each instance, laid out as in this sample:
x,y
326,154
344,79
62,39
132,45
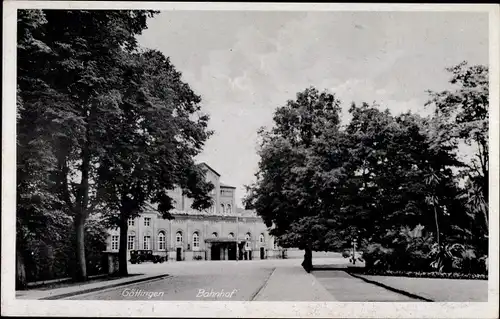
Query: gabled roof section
x,y
208,167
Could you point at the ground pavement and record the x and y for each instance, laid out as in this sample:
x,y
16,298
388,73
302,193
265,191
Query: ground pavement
x,y
261,280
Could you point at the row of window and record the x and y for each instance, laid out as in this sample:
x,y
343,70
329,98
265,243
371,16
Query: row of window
x,y
162,242
147,221
225,209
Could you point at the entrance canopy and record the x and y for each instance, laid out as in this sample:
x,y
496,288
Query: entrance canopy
x,y
222,240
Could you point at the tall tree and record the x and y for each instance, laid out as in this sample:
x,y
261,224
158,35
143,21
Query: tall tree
x,y
73,78
155,131
284,194
463,113
320,185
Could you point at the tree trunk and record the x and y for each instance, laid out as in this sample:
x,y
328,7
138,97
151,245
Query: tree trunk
x,y
81,271
21,282
122,253
307,263
437,227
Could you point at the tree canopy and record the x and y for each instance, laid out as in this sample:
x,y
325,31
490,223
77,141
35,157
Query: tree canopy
x,y
321,184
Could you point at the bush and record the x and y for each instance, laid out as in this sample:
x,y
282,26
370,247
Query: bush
x,y
46,260
418,274
377,257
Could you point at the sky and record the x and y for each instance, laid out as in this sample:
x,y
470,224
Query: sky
x,y
245,64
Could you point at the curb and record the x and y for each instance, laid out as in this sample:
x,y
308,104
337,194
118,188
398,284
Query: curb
x,y
41,283
256,294
89,290
399,291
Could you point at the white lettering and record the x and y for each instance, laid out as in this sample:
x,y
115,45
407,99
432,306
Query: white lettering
x,y
200,293
126,292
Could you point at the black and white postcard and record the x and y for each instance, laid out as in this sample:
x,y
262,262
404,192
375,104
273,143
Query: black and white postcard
x,y
250,160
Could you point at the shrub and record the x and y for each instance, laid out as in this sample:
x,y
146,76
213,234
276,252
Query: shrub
x,y
377,257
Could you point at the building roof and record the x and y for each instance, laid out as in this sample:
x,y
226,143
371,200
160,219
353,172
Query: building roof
x,y
205,164
226,186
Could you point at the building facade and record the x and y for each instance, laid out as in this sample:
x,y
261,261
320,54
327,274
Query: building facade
x,y
222,232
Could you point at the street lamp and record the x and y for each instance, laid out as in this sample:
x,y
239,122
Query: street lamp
x,y
237,238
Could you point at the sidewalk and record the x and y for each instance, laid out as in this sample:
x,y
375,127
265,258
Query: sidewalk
x,y
77,289
435,289
292,284
346,288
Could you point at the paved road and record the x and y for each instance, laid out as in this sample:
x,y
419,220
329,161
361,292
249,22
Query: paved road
x,y
246,280
195,280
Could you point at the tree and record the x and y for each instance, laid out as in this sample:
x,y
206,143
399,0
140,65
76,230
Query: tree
x,y
68,69
463,114
321,188
154,133
285,192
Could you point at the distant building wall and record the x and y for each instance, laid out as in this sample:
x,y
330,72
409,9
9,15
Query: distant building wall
x,y
188,231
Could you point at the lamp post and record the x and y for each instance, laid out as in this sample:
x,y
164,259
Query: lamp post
x,y
354,251
237,238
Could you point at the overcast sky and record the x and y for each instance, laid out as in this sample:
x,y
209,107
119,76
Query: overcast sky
x,y
245,64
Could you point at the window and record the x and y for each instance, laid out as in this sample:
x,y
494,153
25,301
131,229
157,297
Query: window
x,y
248,242
130,242
261,238
178,237
229,208
161,241
131,222
222,209
275,244
215,235
231,235
115,242
147,242
147,221
196,241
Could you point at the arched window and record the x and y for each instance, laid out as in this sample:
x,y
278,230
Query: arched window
x,y
215,235
196,241
178,237
261,238
229,208
231,235
161,241
222,209
248,242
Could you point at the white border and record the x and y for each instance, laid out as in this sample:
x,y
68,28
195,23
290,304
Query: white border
x,y
13,307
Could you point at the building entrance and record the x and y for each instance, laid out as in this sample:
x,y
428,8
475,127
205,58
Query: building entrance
x,y
178,254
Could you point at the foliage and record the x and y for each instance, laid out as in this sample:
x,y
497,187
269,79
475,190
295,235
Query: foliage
x,y
461,116
68,71
380,178
103,127
46,260
155,131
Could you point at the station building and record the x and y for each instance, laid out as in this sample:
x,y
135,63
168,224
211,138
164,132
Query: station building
x,y
222,232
